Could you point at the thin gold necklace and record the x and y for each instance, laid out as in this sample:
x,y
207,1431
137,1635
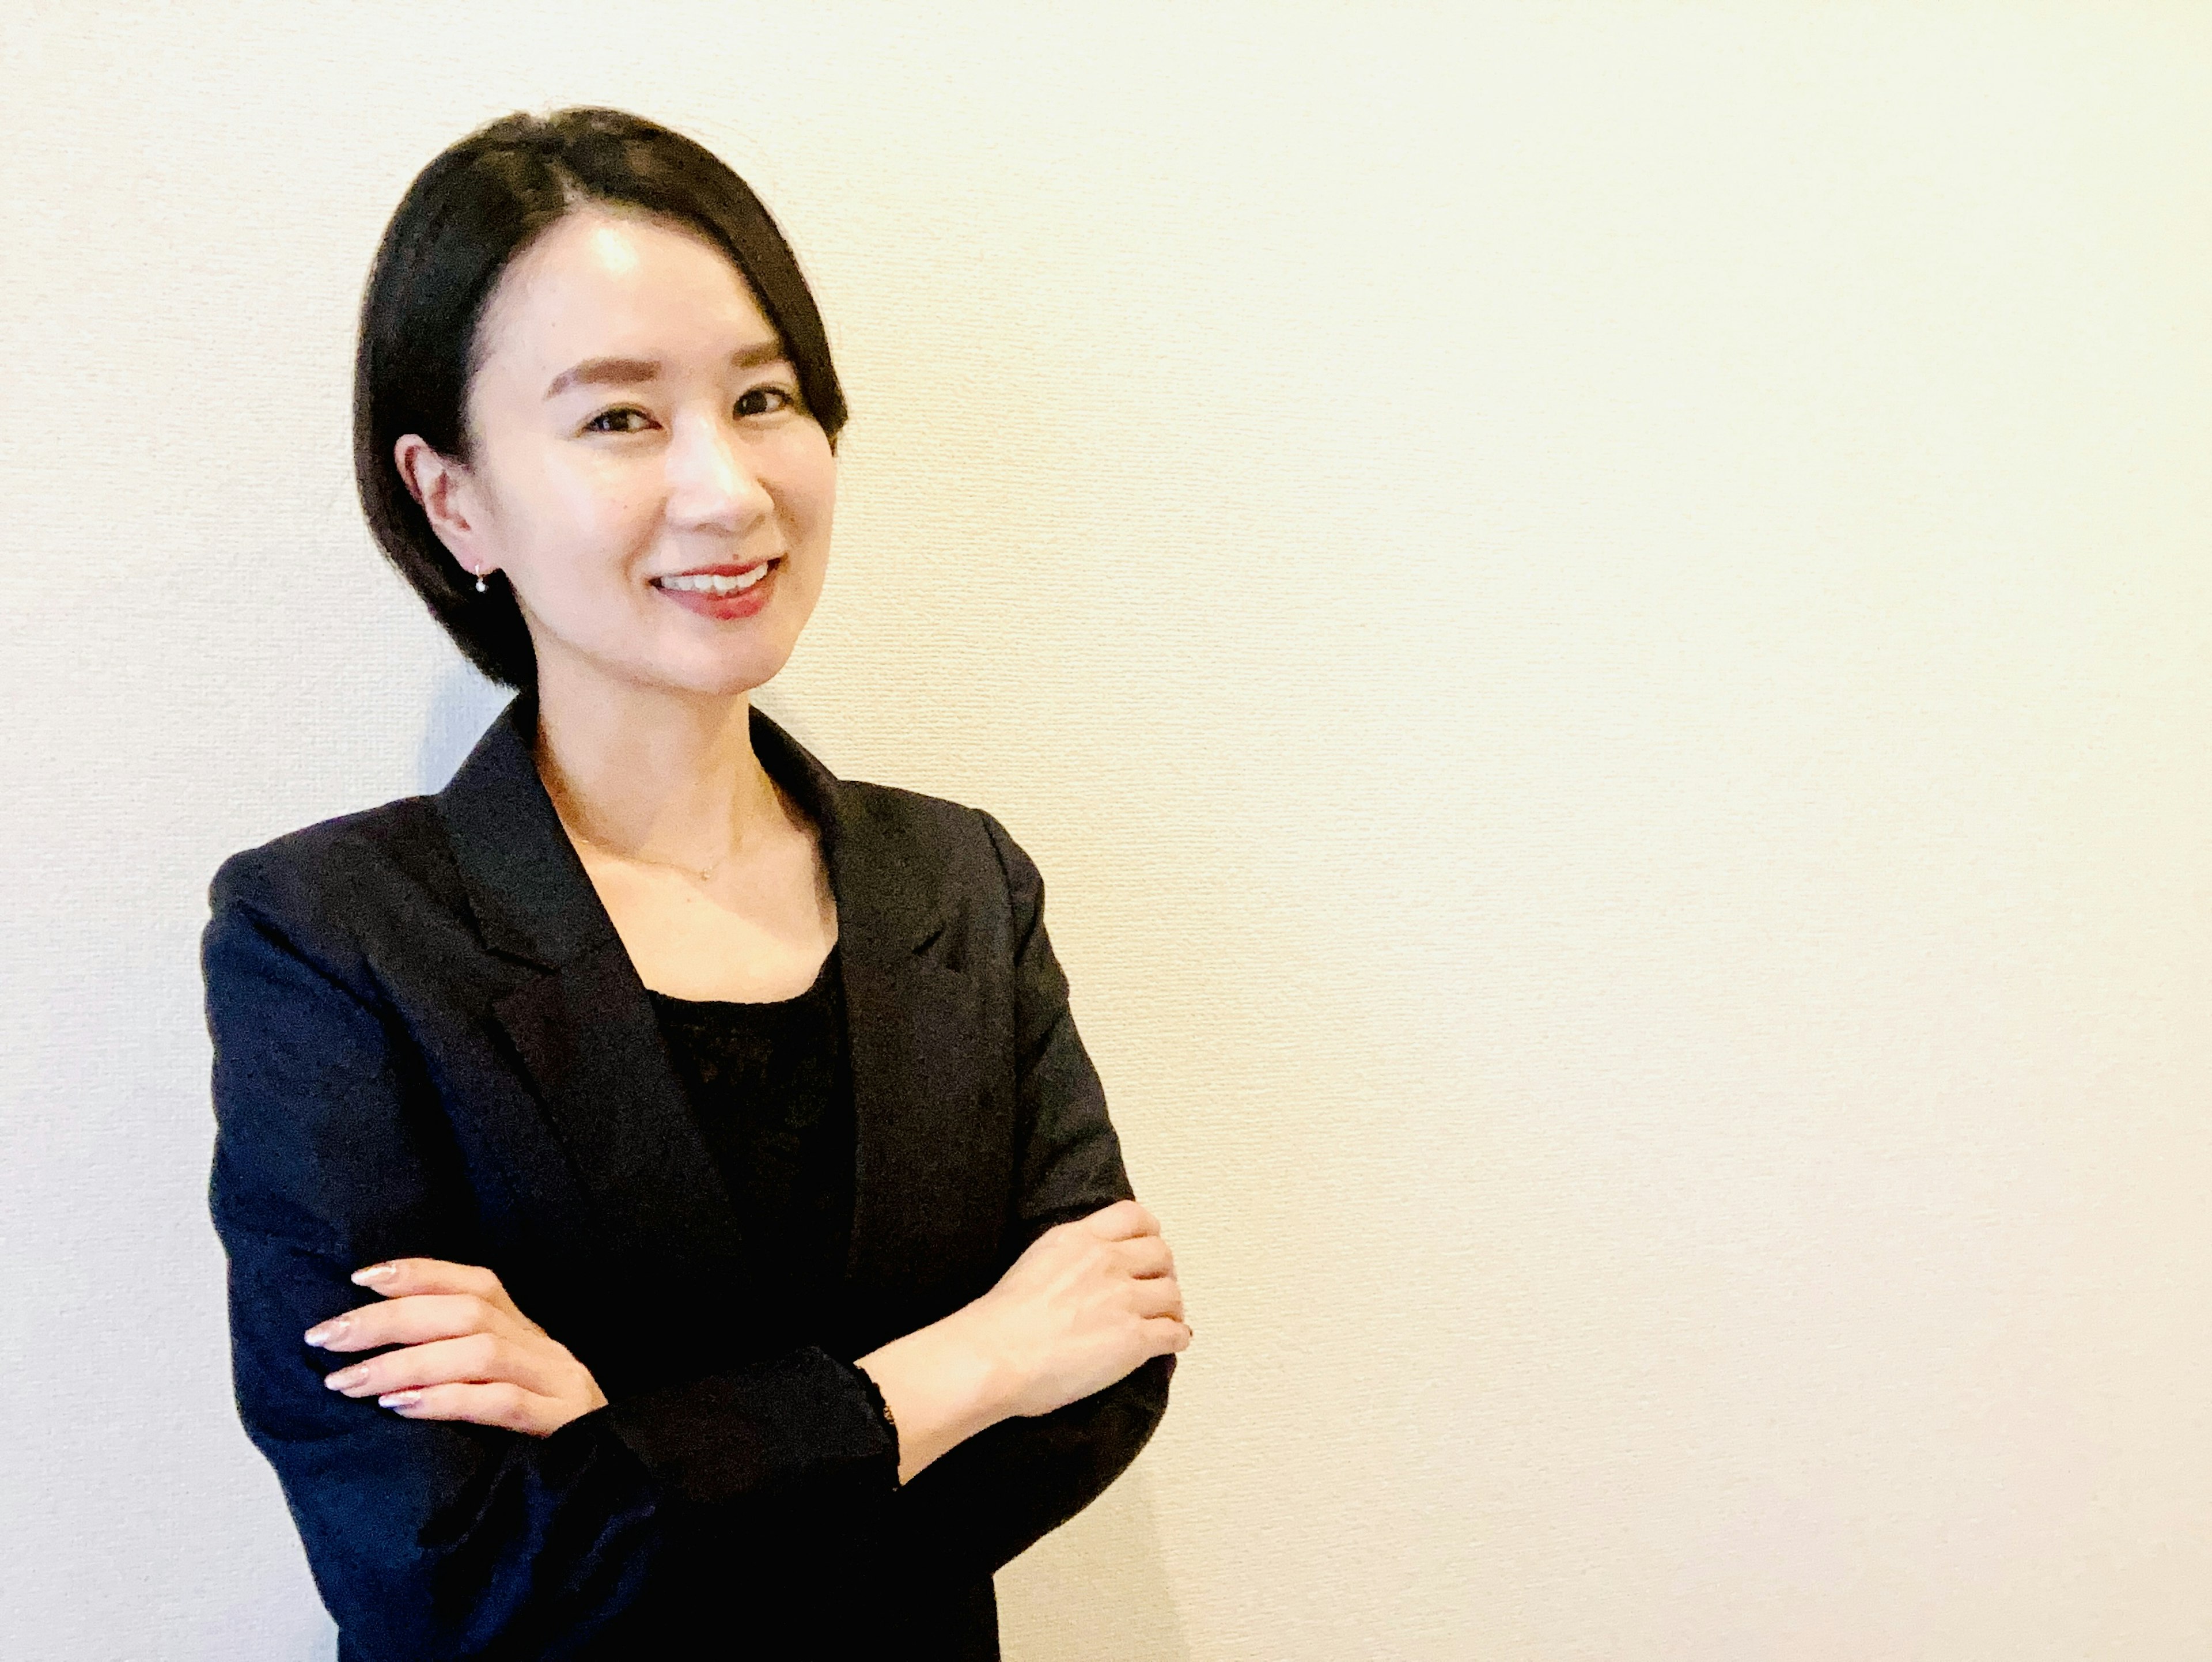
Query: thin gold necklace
x,y
702,873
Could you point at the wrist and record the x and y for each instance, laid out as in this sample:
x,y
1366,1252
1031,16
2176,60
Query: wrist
x,y
943,1382
989,1384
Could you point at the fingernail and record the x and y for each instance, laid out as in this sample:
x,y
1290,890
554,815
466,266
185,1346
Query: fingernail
x,y
323,1332
400,1399
375,1272
344,1377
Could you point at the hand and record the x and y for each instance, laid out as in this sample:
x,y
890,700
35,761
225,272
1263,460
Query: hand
x,y
469,1354
1082,1308
1085,1306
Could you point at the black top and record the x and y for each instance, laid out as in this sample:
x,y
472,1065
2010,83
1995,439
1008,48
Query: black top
x,y
770,1084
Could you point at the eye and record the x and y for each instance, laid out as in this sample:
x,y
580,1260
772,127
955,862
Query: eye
x,y
592,425
766,400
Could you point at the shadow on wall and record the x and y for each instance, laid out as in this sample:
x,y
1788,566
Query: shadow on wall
x,y
1096,1589
461,708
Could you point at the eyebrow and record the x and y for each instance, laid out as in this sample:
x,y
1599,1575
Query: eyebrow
x,y
628,372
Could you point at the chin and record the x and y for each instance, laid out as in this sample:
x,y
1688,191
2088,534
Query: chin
x,y
721,669
723,677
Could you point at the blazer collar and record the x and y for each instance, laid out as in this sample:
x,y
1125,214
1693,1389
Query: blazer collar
x,y
533,900
585,1032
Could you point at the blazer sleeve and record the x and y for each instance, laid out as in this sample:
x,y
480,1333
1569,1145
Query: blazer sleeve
x,y
979,1505
443,1540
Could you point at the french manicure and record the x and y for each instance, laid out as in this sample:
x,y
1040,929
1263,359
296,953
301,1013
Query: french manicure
x,y
343,1377
375,1272
324,1333
400,1399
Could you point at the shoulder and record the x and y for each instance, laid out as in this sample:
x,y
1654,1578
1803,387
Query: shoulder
x,y
953,843
325,882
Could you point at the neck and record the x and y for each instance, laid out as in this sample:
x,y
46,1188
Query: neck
x,y
666,778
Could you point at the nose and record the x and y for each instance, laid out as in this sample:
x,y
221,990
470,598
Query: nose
x,y
713,482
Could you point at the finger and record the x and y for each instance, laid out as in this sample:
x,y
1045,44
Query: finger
x,y
1157,1297
1167,1334
412,1319
478,1359
507,1406
1145,1255
1122,1220
396,1277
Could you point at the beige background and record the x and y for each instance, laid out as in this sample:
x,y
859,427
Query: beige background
x,y
1597,615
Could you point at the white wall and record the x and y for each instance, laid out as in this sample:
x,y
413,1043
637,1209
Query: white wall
x,y
1598,616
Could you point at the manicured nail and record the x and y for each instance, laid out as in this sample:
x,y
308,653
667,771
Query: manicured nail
x,y
343,1377
400,1399
375,1272
323,1333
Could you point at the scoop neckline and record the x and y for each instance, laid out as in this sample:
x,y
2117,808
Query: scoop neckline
x,y
813,989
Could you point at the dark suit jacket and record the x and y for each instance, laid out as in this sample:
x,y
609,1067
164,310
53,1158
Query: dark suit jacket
x,y
430,1042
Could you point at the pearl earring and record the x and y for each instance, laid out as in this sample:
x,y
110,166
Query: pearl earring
x,y
480,581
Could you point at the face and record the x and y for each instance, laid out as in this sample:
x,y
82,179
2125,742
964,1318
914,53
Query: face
x,y
645,473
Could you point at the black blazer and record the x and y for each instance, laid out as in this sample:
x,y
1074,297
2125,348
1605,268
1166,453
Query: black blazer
x,y
430,1042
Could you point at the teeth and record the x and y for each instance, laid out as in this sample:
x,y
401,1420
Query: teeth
x,y
703,582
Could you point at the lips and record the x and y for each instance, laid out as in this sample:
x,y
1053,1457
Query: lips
x,y
718,580
723,592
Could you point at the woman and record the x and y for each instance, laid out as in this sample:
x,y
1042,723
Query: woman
x,y
669,1208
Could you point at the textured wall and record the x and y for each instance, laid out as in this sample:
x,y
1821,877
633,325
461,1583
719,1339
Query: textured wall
x,y
1596,614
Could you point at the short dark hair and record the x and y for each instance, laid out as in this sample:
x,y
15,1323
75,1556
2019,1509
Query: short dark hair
x,y
464,219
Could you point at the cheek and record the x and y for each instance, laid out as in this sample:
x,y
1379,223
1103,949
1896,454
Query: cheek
x,y
591,504
587,525
814,497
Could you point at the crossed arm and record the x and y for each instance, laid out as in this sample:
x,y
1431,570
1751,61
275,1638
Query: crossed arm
x,y
472,1493
1083,1306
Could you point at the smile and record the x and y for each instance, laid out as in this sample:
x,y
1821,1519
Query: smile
x,y
715,583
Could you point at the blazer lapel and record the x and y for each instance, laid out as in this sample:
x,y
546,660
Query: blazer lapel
x,y
912,1023
913,1028
584,1028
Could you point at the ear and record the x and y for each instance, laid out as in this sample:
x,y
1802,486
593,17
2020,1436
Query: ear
x,y
447,492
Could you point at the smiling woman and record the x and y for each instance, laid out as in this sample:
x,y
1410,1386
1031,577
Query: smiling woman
x,y
755,1088
575,329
